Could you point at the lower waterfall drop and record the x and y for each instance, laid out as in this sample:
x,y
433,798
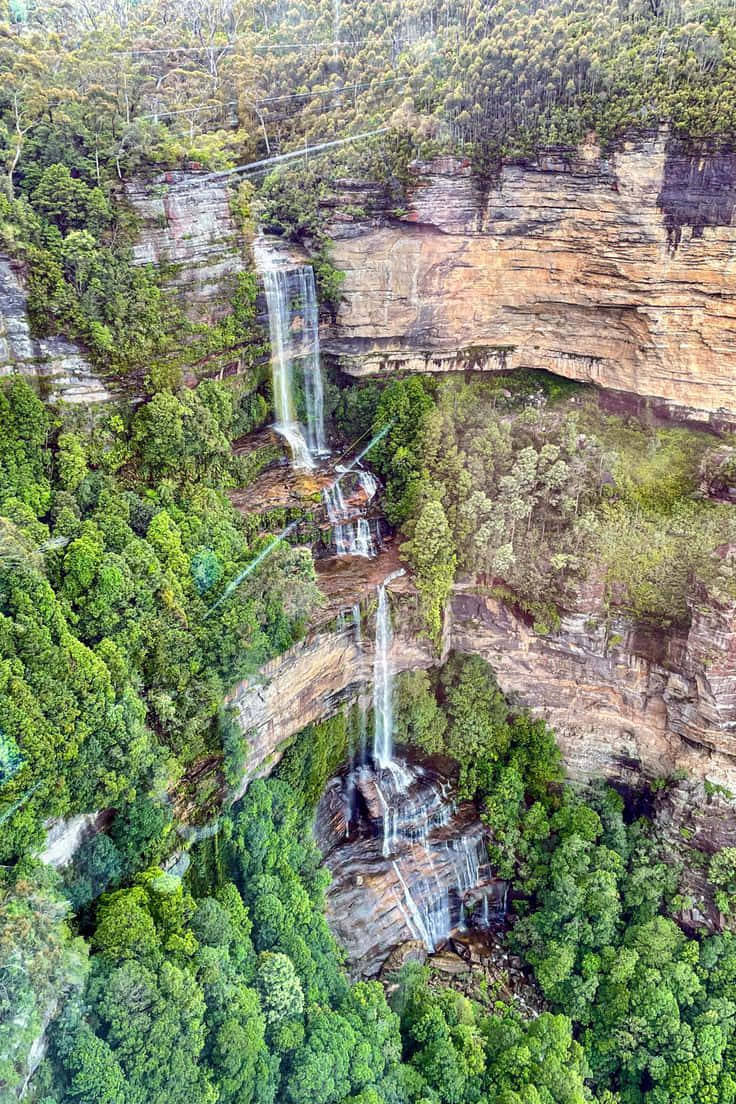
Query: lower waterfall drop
x,y
415,807
408,859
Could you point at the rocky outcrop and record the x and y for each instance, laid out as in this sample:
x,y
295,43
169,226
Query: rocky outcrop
x,y
430,877
65,837
613,271
694,821
624,701
188,231
627,704
59,363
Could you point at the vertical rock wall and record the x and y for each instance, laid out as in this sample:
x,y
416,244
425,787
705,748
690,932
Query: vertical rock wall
x,y
59,363
187,229
617,271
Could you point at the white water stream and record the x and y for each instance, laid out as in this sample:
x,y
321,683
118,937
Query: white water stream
x,y
350,530
415,806
293,322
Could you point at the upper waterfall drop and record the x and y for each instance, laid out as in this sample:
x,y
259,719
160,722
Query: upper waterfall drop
x,y
313,387
293,322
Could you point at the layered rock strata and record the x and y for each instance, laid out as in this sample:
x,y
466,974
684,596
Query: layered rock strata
x,y
616,271
432,880
624,701
60,364
311,681
187,230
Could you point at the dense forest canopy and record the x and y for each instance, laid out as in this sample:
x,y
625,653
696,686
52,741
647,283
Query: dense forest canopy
x,y
527,486
229,987
116,541
110,88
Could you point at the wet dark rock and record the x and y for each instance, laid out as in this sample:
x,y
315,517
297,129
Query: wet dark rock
x,y
428,882
698,191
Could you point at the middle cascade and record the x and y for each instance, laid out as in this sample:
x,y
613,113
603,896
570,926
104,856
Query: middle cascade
x,y
293,322
351,531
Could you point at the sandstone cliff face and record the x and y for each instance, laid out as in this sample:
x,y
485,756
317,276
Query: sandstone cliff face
x,y
377,901
65,837
56,361
624,702
187,228
617,272
309,682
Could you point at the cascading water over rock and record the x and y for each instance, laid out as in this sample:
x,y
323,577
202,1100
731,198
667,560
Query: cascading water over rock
x,y
351,531
345,500
411,808
293,323
401,829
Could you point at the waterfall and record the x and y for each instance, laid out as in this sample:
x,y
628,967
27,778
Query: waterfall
x,y
383,681
275,284
391,775
401,820
358,638
313,389
361,541
293,323
368,484
334,501
436,860
351,532
336,508
418,924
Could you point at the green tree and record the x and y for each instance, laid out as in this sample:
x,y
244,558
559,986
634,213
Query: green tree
x,y
279,987
432,556
722,874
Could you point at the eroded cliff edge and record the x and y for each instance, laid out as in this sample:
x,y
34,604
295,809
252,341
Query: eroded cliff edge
x,y
630,705
625,702
617,271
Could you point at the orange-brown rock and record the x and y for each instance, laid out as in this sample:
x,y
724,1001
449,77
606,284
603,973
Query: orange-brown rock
x,y
435,866
311,681
616,271
625,702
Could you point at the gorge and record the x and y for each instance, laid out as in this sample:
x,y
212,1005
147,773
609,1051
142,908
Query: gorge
x,y
625,703
368,552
